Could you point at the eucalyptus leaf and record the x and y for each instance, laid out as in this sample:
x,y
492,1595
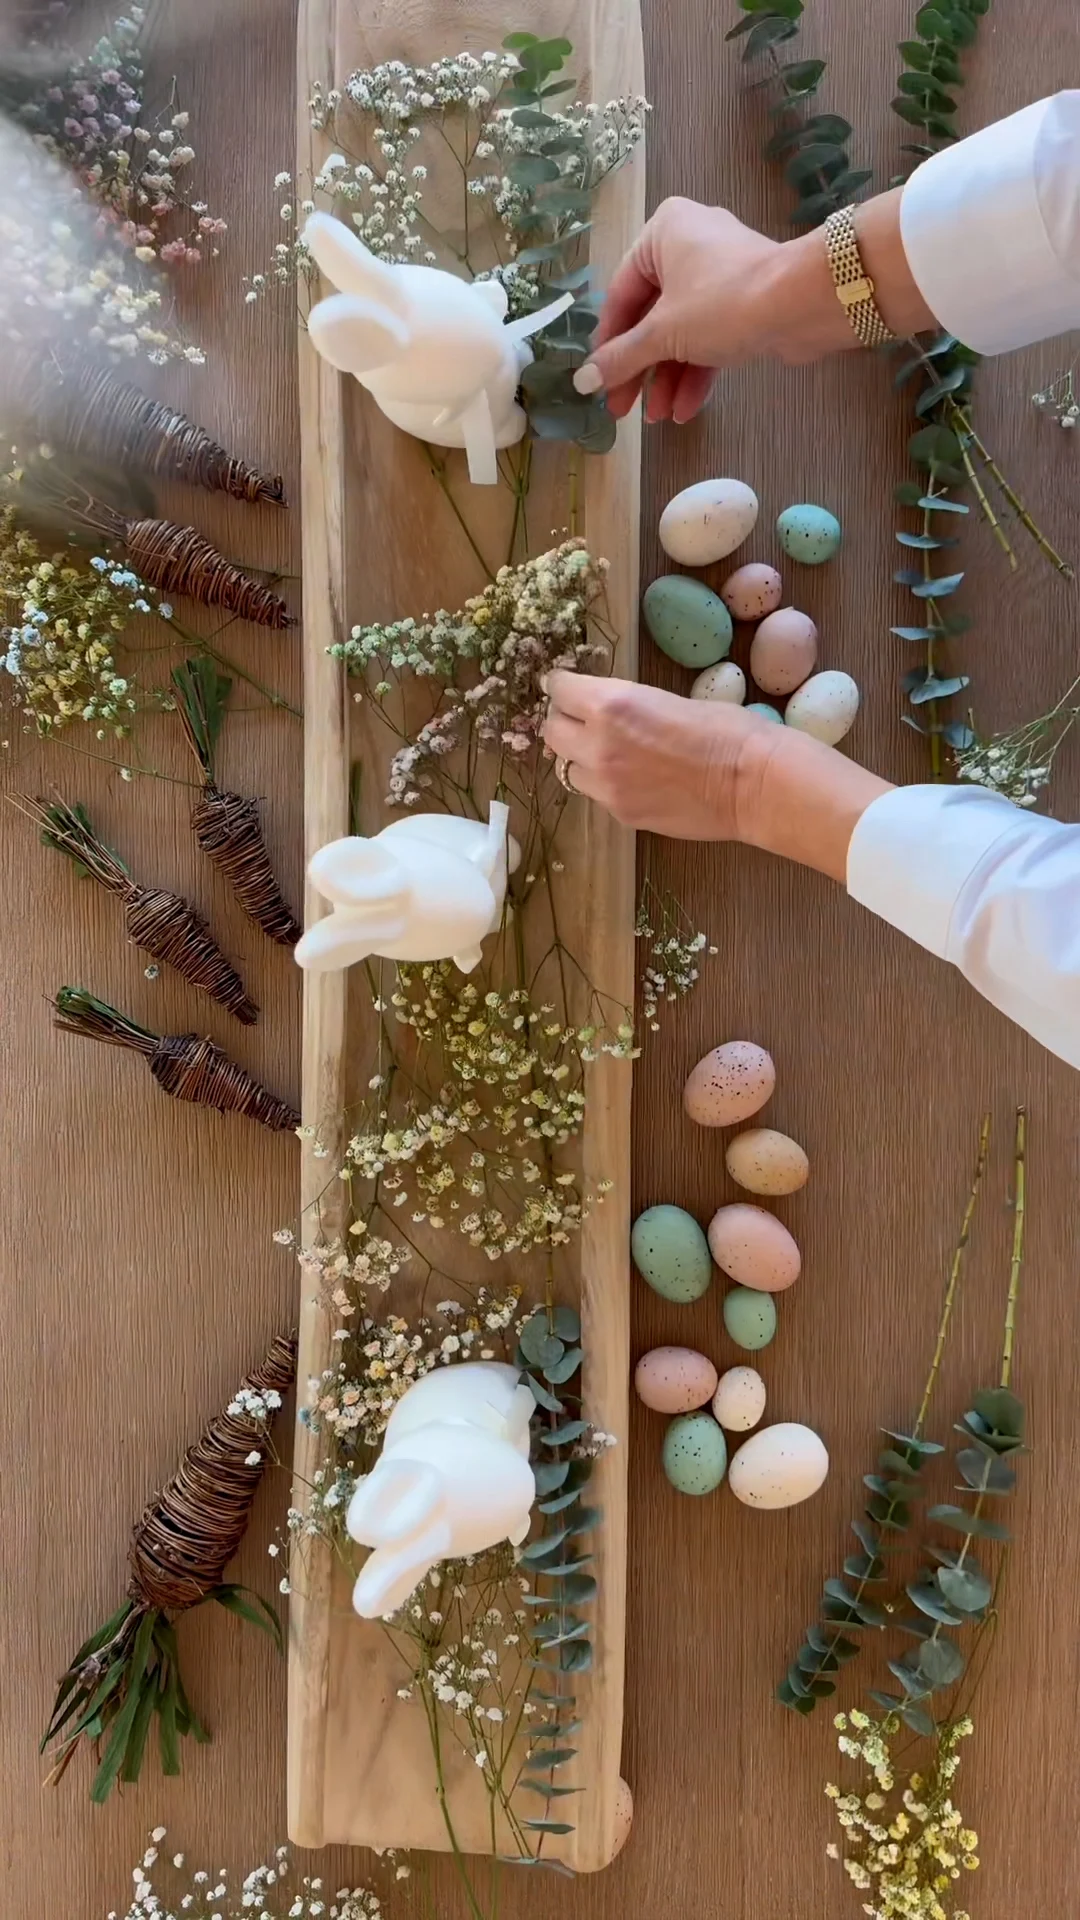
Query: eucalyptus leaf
x,y
913,1683
541,1395
936,503
559,1501
915,633
869,1615
890,1701
941,1661
537,1340
917,1719
963,1522
864,1567
983,1474
925,1594
938,589
550,1475
543,1549
564,1368
934,446
895,1462
934,689
958,735
966,1587
1001,1410
812,159
531,170
802,76
556,1757
769,31
563,1436
924,542
941,390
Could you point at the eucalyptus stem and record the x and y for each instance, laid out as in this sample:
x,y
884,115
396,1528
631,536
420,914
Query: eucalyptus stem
x,y
986,505
1014,500
954,1275
1020,1187
438,468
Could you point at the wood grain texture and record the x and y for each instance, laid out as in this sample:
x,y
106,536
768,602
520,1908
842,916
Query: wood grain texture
x,y
380,540
138,1278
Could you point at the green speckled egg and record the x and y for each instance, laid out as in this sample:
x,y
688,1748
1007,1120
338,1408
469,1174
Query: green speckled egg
x,y
810,534
767,713
750,1317
671,1252
695,1453
687,620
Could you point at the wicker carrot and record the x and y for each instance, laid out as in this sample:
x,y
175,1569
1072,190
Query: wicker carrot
x,y
128,1671
184,1065
226,825
160,923
179,560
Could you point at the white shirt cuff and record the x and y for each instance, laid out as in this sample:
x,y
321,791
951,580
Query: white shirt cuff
x,y
909,865
991,229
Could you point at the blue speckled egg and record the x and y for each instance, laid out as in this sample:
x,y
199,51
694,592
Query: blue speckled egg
x,y
687,620
671,1253
695,1453
763,708
750,1317
809,534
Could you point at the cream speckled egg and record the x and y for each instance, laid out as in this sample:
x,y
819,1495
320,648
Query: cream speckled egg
x,y
824,706
725,681
752,591
708,521
674,1379
754,1248
739,1400
783,650
624,1818
764,1161
779,1466
731,1083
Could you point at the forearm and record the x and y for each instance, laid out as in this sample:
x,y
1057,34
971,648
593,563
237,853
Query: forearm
x,y
799,799
801,314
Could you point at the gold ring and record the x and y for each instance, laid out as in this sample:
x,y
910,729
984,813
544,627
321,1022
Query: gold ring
x,y
562,774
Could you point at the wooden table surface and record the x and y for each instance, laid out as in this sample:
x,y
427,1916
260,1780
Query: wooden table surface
x,y
139,1274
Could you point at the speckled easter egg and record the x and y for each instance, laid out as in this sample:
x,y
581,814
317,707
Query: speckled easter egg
x,y
739,1400
807,533
766,712
695,1453
824,706
674,1379
752,591
725,682
749,1317
687,620
764,1161
729,1084
783,650
779,1466
671,1253
708,521
624,1818
754,1248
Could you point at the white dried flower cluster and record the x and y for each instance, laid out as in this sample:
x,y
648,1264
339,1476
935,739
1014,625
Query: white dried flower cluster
x,y
1058,399
291,263
345,1276
1018,764
269,1889
671,968
906,1852
527,621
471,1648
249,1404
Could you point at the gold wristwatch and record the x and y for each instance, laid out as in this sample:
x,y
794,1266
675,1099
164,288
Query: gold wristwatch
x,y
854,288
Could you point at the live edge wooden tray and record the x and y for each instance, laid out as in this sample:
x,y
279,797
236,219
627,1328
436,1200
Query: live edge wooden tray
x,y
379,541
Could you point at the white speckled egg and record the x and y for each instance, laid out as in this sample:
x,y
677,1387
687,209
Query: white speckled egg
x,y
783,650
808,533
824,706
674,1379
752,591
779,1466
695,1453
764,1161
708,521
725,682
766,712
729,1084
754,1248
739,1400
624,1818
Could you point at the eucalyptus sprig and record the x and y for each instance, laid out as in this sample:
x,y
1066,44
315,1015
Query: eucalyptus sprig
x,y
813,147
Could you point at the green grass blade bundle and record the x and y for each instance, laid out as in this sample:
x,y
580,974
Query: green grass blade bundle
x,y
128,1672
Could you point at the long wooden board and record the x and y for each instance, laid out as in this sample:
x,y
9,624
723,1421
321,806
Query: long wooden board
x,y
379,539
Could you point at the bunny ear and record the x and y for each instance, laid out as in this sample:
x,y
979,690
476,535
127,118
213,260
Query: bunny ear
x,y
356,335
334,943
355,872
349,266
393,1501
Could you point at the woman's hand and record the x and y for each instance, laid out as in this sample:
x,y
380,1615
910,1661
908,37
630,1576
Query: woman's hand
x,y
704,770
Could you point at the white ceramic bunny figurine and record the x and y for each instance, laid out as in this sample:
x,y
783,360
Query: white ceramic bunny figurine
x,y
453,1478
435,352
428,887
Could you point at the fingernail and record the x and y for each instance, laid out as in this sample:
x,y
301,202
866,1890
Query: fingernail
x,y
544,678
588,379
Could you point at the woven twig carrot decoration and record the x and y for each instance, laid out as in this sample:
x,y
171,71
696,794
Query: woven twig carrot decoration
x,y
179,560
226,825
160,923
128,1671
184,1065
105,419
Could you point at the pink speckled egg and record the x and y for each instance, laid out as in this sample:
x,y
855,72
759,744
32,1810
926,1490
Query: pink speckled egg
x,y
764,1161
783,651
754,1248
674,1379
731,1083
624,1818
752,591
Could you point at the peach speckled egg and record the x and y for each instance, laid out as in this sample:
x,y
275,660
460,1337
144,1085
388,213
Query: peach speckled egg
x,y
783,650
674,1379
731,1083
752,591
725,681
624,1817
764,1161
754,1248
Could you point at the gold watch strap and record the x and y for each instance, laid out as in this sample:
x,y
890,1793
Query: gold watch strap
x,y
854,288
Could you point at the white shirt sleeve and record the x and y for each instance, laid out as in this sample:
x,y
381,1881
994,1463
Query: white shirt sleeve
x,y
991,229
987,886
